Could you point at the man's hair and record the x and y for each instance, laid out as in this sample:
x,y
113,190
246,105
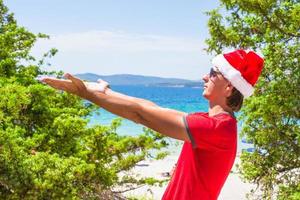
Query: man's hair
x,y
235,100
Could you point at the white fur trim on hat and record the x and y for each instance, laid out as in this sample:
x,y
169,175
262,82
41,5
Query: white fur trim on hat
x,y
233,75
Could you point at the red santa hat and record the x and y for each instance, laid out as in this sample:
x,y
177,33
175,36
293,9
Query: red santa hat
x,y
241,68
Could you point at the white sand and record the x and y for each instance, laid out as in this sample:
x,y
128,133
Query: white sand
x,y
234,188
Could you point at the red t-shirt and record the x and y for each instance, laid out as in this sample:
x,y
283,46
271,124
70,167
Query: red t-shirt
x,y
206,161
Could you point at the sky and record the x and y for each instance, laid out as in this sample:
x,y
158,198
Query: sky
x,y
153,38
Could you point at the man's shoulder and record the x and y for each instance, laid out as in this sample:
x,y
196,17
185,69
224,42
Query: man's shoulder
x,y
226,117
221,116
221,120
198,113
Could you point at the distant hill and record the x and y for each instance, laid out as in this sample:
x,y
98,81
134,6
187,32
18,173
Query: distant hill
x,y
129,79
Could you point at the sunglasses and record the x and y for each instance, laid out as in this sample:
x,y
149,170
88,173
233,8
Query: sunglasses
x,y
213,73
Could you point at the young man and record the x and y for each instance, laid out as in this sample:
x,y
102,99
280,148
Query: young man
x,y
210,138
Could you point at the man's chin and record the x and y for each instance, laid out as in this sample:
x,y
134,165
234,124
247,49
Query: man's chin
x,y
205,95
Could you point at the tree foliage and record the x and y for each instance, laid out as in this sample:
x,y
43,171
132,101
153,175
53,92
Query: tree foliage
x,y
271,116
48,150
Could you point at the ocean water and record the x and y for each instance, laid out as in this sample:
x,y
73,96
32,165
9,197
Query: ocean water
x,y
178,98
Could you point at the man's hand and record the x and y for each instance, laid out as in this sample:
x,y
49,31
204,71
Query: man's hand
x,y
76,86
73,85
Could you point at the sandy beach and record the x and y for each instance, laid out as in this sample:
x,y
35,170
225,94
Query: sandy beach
x,y
234,188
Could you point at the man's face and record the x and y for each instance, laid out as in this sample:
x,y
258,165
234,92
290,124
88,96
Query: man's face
x,y
216,85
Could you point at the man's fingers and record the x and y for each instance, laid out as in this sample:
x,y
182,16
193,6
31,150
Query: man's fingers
x,y
79,83
56,83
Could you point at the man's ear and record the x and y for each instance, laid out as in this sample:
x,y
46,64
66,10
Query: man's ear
x,y
229,89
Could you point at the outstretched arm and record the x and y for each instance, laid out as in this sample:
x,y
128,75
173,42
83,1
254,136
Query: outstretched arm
x,y
165,121
144,102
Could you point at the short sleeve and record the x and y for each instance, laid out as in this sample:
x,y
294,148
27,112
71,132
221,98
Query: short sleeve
x,y
200,129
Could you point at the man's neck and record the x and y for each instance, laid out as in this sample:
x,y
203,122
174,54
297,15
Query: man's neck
x,y
215,109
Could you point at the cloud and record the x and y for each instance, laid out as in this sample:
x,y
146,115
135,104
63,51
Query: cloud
x,y
121,42
121,52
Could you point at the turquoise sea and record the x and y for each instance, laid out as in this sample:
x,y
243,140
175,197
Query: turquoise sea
x,y
178,98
